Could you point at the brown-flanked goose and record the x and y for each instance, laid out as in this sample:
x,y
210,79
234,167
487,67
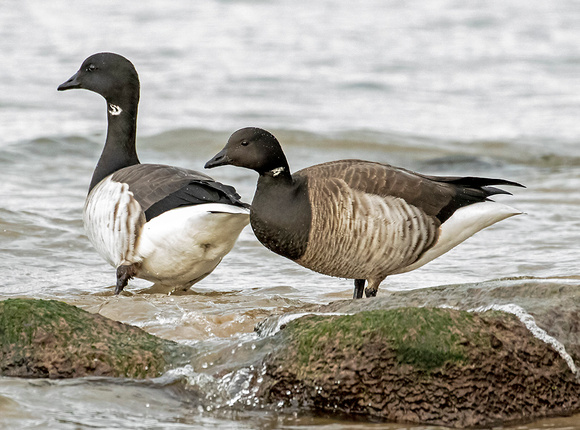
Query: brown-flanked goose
x,y
165,224
359,219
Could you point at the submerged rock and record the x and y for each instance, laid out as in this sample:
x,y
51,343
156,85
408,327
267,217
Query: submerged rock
x,y
51,339
420,365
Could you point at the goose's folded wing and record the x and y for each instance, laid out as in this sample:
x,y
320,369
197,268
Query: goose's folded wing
x,y
159,188
434,195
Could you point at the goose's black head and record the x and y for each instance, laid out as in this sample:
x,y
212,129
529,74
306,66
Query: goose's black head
x,y
252,148
110,75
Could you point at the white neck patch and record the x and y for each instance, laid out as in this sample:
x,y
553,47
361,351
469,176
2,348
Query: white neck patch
x,y
277,171
114,109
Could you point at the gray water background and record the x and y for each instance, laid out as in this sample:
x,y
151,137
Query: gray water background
x,y
483,88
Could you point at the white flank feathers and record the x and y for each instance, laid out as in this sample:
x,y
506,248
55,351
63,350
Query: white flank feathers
x,y
113,220
464,223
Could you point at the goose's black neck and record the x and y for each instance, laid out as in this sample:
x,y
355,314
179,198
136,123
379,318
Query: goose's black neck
x,y
119,150
281,213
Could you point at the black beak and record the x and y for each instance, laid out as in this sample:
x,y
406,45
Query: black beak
x,y
220,159
73,82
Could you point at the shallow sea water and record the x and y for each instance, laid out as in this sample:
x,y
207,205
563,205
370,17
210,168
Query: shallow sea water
x,y
452,88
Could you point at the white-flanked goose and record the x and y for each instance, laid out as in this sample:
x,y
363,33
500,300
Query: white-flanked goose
x,y
165,224
358,219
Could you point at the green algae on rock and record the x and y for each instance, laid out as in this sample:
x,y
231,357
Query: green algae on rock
x,y
51,339
553,303
420,365
425,344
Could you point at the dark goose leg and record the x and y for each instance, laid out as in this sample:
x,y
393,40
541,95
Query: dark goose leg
x,y
359,286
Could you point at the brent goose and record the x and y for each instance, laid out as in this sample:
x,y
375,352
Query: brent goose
x,y
358,219
165,224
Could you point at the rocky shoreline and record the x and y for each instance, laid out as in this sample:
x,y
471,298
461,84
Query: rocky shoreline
x,y
460,356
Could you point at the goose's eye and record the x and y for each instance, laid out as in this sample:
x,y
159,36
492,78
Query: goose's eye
x,y
91,68
245,143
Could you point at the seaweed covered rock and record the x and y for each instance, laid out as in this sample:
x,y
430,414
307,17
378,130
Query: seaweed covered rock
x,y
420,365
554,304
51,339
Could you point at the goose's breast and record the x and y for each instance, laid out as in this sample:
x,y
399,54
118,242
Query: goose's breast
x,y
358,235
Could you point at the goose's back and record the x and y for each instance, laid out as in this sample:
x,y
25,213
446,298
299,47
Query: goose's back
x,y
159,188
384,180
